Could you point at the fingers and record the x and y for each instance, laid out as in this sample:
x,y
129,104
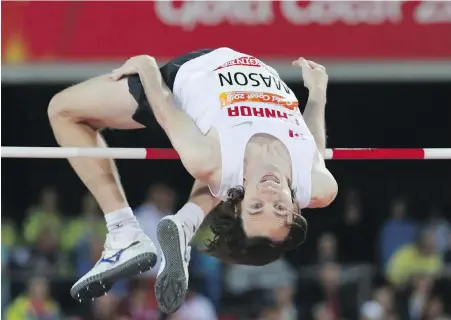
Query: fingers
x,y
315,65
130,67
117,74
303,63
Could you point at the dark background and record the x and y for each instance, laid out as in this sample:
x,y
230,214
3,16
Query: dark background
x,y
358,115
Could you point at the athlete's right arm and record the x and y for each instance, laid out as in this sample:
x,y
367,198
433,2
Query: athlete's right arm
x,y
196,150
201,195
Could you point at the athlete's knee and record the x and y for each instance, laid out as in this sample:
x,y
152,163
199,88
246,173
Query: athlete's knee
x,y
58,107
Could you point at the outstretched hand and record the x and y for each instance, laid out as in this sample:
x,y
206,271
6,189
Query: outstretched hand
x,y
313,74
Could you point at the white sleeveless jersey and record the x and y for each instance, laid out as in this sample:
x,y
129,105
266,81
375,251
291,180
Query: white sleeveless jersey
x,y
240,97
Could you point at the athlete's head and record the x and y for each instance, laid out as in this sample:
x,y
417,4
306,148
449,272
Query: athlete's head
x,y
268,207
259,221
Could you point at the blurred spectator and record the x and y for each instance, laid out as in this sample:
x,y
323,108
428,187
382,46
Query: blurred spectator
x,y
421,292
36,304
336,298
160,201
254,286
9,232
434,310
381,307
441,229
329,277
447,255
88,252
267,307
196,306
209,271
322,312
205,267
242,278
421,257
285,303
9,240
352,196
270,313
372,310
397,231
45,215
355,237
45,258
137,306
5,278
107,308
86,225
327,250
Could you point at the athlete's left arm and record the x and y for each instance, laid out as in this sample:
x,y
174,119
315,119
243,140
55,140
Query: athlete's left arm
x,y
324,185
196,151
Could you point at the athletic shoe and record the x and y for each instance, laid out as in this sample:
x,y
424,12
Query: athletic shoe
x,y
124,256
171,284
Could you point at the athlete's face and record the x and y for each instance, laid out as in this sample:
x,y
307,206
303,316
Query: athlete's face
x,y
267,207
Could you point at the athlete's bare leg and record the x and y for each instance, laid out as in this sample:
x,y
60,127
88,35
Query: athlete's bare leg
x,y
76,114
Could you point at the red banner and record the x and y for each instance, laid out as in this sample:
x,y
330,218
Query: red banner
x,y
81,31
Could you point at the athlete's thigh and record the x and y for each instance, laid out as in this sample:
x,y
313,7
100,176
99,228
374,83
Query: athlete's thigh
x,y
100,101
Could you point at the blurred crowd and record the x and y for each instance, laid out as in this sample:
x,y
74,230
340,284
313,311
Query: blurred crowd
x,y
356,271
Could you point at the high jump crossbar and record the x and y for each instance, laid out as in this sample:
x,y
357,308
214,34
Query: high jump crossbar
x,y
170,154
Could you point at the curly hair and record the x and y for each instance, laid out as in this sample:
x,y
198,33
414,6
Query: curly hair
x,y
231,243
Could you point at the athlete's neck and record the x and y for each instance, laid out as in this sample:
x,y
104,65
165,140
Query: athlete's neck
x,y
266,155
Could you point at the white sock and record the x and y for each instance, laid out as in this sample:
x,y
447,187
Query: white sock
x,y
191,215
121,218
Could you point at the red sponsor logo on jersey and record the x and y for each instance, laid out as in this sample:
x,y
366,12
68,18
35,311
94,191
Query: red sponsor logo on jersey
x,y
243,61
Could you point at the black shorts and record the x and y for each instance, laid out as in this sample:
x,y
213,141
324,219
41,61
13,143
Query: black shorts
x,y
143,113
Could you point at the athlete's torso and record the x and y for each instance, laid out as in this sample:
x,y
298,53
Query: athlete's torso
x,y
242,101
